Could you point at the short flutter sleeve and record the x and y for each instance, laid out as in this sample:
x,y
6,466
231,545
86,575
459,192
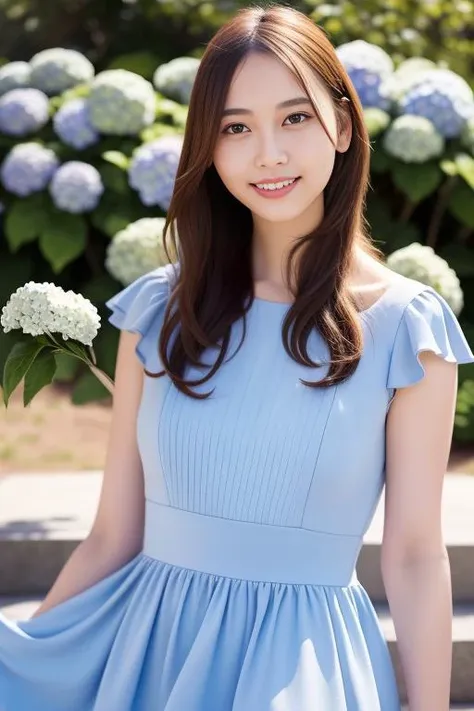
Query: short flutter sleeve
x,y
427,324
139,308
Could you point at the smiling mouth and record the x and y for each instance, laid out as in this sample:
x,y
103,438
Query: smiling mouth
x,y
275,186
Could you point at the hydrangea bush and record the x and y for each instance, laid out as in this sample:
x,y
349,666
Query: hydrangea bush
x,y
88,164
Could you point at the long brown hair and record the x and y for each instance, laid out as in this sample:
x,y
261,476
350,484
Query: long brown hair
x,y
211,230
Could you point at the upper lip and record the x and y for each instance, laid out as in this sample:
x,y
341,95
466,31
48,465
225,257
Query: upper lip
x,y
275,180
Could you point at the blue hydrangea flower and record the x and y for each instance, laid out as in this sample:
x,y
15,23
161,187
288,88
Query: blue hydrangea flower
x,y
368,67
73,126
76,187
121,102
413,139
153,170
14,75
441,96
175,79
57,69
28,168
23,111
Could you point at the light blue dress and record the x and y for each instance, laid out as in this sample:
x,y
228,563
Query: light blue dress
x,y
245,596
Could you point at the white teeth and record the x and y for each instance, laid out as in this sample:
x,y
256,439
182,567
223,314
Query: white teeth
x,y
275,186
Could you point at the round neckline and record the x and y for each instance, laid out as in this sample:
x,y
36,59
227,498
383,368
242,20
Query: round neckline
x,y
364,312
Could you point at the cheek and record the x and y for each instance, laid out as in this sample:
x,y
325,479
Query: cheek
x,y
229,162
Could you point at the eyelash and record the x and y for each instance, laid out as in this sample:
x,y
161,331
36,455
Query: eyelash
x,y
298,113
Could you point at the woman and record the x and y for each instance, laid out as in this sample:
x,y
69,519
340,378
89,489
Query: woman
x,y
277,375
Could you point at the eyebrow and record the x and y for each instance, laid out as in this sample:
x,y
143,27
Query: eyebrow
x,y
283,105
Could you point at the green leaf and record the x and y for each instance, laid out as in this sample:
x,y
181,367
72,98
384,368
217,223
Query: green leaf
x,y
461,204
40,373
114,179
158,130
116,158
78,349
7,341
66,367
24,221
380,162
449,167
465,166
99,289
417,181
63,239
112,215
105,347
88,389
17,364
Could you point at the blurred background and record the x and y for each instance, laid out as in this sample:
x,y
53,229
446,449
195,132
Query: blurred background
x,y
93,105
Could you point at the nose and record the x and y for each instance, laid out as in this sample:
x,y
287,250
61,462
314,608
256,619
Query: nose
x,y
270,152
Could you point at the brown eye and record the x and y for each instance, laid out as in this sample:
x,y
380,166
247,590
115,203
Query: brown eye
x,y
233,125
300,113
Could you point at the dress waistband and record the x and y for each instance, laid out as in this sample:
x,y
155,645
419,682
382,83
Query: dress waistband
x,y
249,551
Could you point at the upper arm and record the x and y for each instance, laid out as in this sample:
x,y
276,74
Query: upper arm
x,y
418,438
120,515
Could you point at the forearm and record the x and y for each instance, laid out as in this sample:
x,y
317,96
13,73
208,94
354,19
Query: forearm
x,y
91,561
420,598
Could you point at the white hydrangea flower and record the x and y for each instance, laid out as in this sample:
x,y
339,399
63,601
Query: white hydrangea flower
x,y
136,250
175,79
121,103
14,75
44,308
420,262
376,121
405,76
56,69
413,139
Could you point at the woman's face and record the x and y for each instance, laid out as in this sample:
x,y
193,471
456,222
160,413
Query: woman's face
x,y
261,140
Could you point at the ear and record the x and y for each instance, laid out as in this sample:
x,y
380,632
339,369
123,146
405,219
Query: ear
x,y
344,132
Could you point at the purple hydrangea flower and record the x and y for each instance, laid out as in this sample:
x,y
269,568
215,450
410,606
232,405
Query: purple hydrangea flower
x,y
368,67
73,126
153,168
28,168
441,96
23,111
76,187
